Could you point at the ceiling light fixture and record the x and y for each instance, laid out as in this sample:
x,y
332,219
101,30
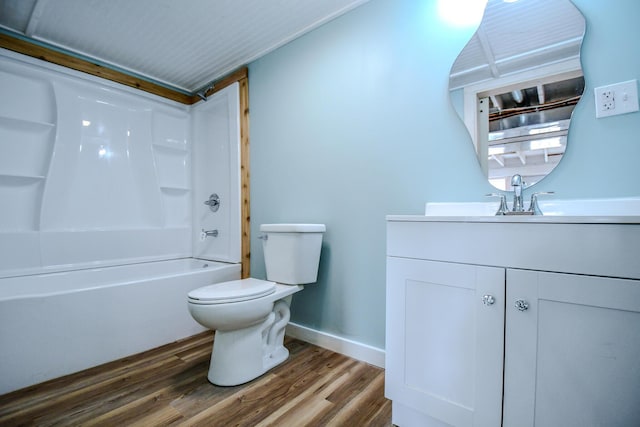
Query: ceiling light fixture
x,y
461,13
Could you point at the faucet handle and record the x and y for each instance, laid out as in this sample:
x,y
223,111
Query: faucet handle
x,y
533,204
503,209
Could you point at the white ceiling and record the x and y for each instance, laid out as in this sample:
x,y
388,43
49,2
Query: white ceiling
x,y
519,36
184,44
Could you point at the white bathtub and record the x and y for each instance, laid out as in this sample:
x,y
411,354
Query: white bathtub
x,y
58,323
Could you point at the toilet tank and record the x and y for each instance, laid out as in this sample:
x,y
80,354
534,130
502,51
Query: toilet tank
x,y
292,252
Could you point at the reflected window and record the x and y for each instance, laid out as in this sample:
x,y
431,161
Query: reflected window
x,y
528,129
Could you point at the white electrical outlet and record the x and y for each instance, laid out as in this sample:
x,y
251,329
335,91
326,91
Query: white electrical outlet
x,y
619,98
607,100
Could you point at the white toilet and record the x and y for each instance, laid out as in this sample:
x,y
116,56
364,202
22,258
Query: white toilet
x,y
250,315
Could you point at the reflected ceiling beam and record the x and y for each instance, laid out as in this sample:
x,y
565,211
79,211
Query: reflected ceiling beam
x,y
564,50
498,159
488,52
496,102
541,94
528,137
34,19
539,169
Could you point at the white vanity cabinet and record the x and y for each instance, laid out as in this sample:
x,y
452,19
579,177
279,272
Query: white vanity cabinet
x,y
573,356
513,321
438,333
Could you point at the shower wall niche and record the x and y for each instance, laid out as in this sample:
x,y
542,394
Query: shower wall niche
x,y
172,157
90,173
27,135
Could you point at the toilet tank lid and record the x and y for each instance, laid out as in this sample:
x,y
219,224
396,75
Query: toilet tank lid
x,y
293,228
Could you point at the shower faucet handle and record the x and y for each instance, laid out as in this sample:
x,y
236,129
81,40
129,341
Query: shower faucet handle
x,y
213,202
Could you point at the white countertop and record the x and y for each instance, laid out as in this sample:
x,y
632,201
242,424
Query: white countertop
x,y
555,211
529,219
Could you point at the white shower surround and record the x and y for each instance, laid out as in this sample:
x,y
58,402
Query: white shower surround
x,y
94,174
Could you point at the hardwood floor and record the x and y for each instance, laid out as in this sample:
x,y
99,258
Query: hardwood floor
x,y
168,386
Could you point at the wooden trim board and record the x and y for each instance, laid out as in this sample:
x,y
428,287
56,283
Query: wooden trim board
x,y
245,179
59,58
93,68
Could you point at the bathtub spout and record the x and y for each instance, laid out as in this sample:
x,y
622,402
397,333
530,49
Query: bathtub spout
x,y
209,233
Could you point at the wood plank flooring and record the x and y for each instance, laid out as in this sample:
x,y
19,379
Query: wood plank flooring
x,y
168,386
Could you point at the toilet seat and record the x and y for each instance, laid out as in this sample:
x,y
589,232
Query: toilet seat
x,y
233,291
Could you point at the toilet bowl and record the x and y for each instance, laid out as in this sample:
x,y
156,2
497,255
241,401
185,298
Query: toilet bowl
x,y
250,315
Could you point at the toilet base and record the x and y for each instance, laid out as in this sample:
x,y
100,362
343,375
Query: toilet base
x,y
242,355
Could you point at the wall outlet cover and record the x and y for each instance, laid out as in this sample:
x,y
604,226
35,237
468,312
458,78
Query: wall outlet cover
x,y
618,98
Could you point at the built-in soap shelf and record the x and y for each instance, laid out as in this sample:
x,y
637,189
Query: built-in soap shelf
x,y
172,167
18,178
172,159
173,189
21,198
27,98
26,147
172,162
176,202
172,184
170,145
24,124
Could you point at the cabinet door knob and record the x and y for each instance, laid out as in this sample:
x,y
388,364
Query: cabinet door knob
x,y
488,300
522,305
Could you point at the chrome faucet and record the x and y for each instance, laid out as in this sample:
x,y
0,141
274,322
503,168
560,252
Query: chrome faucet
x,y
518,208
517,184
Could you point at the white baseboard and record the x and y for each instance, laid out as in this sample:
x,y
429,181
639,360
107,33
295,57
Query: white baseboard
x,y
356,350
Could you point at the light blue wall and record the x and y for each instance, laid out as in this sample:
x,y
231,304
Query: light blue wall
x,y
353,122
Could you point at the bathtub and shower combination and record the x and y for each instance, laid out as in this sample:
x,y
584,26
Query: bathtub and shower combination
x,y
58,323
102,190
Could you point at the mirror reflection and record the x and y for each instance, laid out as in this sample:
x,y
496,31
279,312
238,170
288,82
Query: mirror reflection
x,y
516,83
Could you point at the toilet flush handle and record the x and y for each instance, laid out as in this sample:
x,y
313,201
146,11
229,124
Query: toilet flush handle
x,y
263,237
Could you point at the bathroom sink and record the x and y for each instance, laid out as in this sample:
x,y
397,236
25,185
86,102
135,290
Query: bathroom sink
x,y
461,208
611,207
592,207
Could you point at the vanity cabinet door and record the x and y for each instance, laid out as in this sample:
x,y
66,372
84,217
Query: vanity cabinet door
x,y
572,355
444,349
